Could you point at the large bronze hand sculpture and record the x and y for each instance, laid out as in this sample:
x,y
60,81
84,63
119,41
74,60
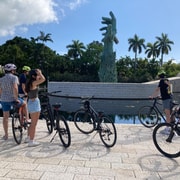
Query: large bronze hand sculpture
x,y
107,70
110,34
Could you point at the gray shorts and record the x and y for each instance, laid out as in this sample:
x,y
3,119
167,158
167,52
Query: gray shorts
x,y
167,104
34,105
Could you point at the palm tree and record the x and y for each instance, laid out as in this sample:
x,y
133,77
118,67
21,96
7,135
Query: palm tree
x,y
44,37
136,44
76,49
163,45
152,50
33,40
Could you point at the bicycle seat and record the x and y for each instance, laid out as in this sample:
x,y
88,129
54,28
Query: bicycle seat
x,y
44,103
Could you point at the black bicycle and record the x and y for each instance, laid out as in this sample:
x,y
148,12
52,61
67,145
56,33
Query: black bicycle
x,y
87,120
19,123
53,118
166,135
149,116
46,111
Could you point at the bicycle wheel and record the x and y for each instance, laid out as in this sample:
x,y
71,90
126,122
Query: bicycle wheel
x,y
47,115
148,116
107,132
63,130
84,121
166,140
17,128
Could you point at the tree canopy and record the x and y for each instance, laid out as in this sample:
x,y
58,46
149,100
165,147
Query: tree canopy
x,y
82,62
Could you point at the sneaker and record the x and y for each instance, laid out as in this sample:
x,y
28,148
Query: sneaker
x,y
33,143
4,138
27,139
165,131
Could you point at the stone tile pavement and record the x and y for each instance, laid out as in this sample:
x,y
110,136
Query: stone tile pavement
x,y
133,157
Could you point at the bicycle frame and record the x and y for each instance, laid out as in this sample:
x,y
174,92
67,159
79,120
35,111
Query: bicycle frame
x,y
87,120
54,120
55,110
18,111
157,109
18,122
166,136
90,109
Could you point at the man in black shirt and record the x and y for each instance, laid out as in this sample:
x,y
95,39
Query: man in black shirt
x,y
164,88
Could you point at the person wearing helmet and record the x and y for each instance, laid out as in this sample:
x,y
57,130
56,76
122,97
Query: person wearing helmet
x,y
35,79
26,68
164,89
9,93
161,74
21,88
22,81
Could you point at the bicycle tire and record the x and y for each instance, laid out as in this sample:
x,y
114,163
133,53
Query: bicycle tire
x,y
63,131
107,132
47,115
17,129
84,121
148,116
167,144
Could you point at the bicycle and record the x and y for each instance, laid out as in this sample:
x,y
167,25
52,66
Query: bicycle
x,y
54,120
46,111
19,123
166,135
87,120
150,115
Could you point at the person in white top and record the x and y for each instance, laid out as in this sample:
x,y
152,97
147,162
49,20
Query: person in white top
x,y
9,94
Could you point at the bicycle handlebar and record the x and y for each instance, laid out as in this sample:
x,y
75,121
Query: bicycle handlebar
x,y
53,93
87,98
153,98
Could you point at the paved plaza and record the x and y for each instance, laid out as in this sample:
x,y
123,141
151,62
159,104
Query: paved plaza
x,y
133,157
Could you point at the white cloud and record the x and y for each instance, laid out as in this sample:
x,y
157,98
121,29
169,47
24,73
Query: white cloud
x,y
16,13
76,3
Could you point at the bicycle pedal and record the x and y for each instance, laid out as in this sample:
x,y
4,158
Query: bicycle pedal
x,y
21,129
28,124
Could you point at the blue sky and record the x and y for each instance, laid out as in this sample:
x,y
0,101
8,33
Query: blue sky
x,y
69,20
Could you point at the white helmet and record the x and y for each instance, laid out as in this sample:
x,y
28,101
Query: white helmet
x,y
10,67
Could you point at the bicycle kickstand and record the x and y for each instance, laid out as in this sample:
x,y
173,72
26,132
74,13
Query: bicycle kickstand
x,y
53,137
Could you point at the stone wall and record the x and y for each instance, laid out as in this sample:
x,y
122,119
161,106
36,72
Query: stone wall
x,y
112,98
103,90
109,90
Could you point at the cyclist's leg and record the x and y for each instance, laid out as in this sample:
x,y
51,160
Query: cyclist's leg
x,y
168,115
6,106
21,115
167,109
5,124
23,110
34,120
34,110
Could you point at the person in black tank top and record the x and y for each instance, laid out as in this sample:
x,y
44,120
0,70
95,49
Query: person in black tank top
x,y
164,88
